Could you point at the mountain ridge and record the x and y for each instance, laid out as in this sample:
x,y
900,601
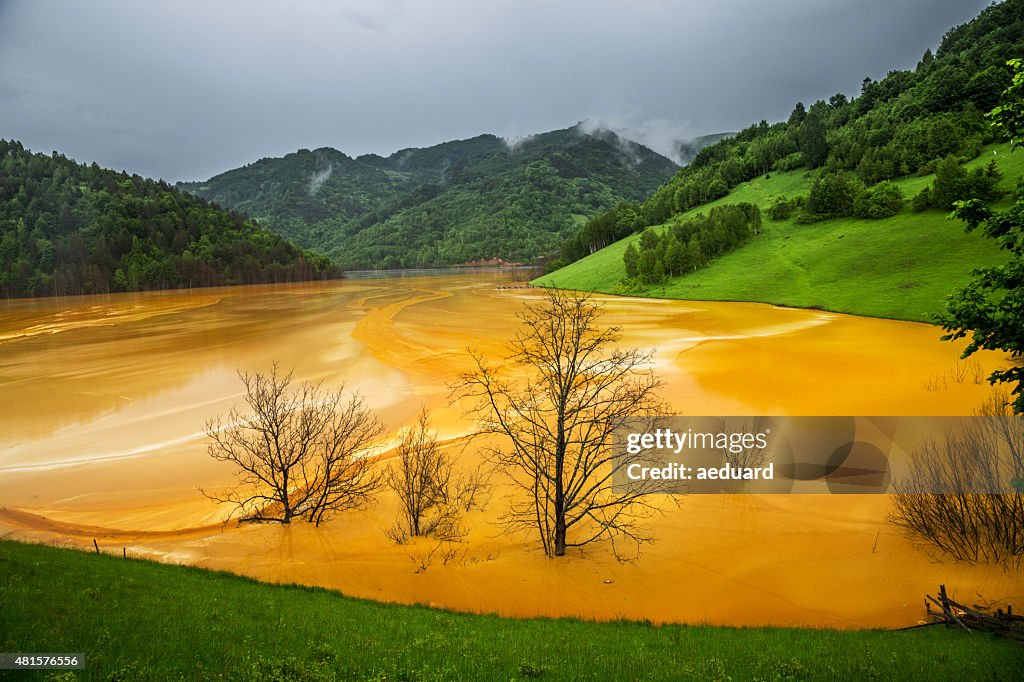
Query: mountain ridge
x,y
454,202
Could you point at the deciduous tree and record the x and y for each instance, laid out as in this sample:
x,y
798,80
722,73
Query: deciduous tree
x,y
299,453
432,493
565,387
961,495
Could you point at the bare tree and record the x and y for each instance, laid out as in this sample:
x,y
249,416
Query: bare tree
x,y
563,390
298,452
959,495
430,490
344,477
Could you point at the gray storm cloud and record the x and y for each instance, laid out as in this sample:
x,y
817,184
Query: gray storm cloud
x,y
188,89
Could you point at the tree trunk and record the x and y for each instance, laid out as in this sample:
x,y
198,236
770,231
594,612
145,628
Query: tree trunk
x,y
560,487
286,511
559,532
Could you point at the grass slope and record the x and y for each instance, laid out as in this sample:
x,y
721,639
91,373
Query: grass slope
x,y
141,620
900,267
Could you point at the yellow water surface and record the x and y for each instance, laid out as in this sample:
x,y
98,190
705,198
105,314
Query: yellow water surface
x,y
104,401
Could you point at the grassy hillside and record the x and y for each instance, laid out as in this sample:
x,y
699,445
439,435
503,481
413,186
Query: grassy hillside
x,y
442,205
140,620
900,267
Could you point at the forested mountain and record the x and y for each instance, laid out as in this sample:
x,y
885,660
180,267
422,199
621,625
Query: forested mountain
x,y
904,124
68,228
442,205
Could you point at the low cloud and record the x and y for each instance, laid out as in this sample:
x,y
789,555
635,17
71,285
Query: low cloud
x,y
660,134
516,141
318,178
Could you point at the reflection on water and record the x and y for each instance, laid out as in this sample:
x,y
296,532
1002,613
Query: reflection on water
x,y
105,398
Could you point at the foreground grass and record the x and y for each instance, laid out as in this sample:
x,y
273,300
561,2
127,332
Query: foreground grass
x,y
901,267
141,620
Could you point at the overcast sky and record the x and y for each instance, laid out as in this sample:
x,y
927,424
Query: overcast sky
x,y
184,90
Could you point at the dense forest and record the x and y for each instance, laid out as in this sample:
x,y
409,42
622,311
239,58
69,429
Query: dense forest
x,y
921,121
68,228
451,203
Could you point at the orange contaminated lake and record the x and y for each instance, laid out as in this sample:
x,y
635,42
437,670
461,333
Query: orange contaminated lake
x,y
105,399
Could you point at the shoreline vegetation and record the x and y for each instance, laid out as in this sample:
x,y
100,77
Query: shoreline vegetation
x,y
242,629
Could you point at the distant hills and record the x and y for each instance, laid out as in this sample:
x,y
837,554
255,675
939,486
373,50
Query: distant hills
x,y
67,228
451,203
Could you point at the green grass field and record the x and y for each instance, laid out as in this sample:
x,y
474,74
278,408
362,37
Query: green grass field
x,y
901,267
136,619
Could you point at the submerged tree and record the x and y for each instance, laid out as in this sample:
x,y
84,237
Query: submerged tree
x,y
299,453
567,389
432,493
960,495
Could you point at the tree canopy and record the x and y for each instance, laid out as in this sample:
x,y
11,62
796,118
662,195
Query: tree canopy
x,y
990,309
689,245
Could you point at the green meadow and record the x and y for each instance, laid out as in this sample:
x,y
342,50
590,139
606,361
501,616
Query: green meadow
x,y
139,620
902,267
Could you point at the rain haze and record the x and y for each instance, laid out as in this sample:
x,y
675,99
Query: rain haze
x,y
186,90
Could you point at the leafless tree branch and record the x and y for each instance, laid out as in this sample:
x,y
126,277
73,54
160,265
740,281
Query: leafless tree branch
x,y
299,453
568,386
